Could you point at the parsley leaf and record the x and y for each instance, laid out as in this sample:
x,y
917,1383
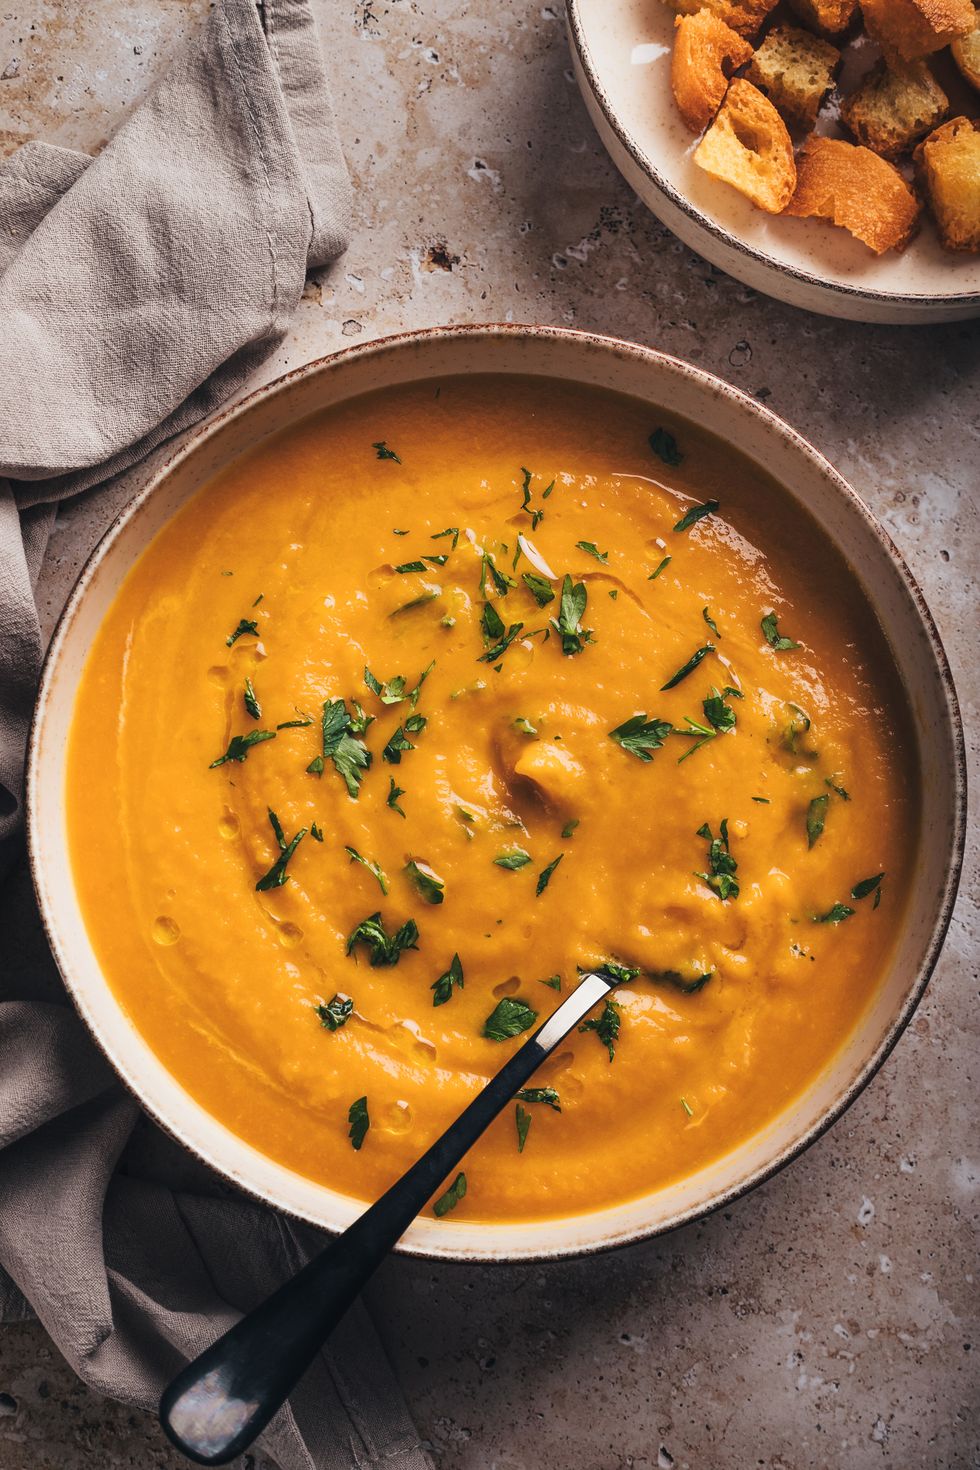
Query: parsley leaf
x,y
240,745
508,1018
394,792
689,667
410,566
546,1095
357,1117
384,452
336,1013
316,832
400,741
442,989
451,1198
373,868
350,755
315,767
500,648
844,795
569,827
513,859
429,595
687,985
252,705
710,622
721,879
816,816
835,915
245,626
867,886
568,624
390,692
276,876
622,974
452,531
525,726
593,550
640,736
664,445
539,587
493,627
772,635
501,580
606,1026
662,567
429,884
544,877
695,514
386,949
523,1120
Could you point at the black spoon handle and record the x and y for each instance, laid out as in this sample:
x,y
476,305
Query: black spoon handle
x,y
219,1403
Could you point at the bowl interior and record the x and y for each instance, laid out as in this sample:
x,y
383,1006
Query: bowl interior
x,y
661,381
624,53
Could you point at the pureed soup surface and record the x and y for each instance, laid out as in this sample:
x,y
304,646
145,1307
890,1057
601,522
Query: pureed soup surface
x,y
433,674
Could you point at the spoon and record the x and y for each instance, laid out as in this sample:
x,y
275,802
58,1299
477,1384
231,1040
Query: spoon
x,y
220,1403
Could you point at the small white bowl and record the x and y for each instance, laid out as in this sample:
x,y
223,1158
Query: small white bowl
x,y
621,55
750,429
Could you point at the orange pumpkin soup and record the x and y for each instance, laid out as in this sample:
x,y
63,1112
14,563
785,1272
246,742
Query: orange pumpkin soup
x,y
444,693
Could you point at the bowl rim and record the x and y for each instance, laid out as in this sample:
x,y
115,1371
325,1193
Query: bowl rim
x,y
590,71
579,341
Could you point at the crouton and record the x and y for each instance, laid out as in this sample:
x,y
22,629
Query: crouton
x,y
796,71
748,147
948,163
966,53
914,28
856,189
744,16
706,52
894,107
830,17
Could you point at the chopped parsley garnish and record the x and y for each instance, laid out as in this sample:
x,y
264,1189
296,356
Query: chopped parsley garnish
x,y
390,692
622,974
569,827
513,859
640,736
425,597
349,754
816,816
844,795
710,621
410,566
357,1117
687,1107
657,570
772,635
493,626
539,587
695,514
400,741
688,985
500,648
664,445
373,868
568,624
553,982
252,705
429,884
240,745
451,1198
442,989
535,515
525,726
720,716
868,886
721,879
336,1013
276,876
452,531
798,726
394,792
245,626
523,1120
295,724
546,1095
762,800
593,550
315,767
384,452
500,579
689,667
544,877
605,1026
386,949
835,915
397,531
316,832
508,1019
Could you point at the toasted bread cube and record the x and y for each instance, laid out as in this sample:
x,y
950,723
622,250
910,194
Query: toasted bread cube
x,y
748,147
856,189
914,28
948,163
966,53
796,71
894,107
706,52
744,16
830,17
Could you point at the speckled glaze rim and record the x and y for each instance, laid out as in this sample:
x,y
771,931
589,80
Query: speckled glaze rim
x,y
704,381
646,165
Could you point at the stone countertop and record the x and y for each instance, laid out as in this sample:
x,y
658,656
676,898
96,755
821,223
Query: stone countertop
x,y
831,1318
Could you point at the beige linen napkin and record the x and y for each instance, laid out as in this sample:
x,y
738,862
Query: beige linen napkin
x,y
137,291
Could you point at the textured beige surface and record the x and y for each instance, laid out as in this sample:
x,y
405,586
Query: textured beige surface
x,y
831,1319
